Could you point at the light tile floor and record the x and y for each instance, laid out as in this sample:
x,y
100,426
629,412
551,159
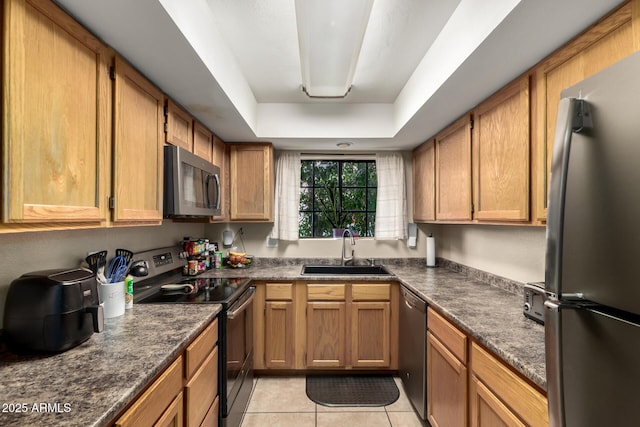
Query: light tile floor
x,y
283,402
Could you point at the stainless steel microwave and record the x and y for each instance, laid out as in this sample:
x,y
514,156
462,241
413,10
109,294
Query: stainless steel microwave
x,y
191,185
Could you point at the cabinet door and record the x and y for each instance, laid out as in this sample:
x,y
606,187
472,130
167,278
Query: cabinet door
x,y
179,130
487,410
447,385
279,328
251,182
527,403
607,42
453,172
370,332
154,403
326,334
201,390
55,117
424,182
138,152
173,416
202,142
220,158
501,155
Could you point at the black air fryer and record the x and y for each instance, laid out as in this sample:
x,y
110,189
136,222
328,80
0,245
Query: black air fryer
x,y
52,310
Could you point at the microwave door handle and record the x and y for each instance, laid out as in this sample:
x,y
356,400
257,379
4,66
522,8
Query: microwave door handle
x,y
217,179
573,117
209,178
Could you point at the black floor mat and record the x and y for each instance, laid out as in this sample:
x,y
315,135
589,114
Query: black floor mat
x,y
352,390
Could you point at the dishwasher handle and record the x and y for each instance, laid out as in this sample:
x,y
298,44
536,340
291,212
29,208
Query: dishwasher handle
x,y
412,301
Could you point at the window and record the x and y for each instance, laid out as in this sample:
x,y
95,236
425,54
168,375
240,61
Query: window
x,y
337,194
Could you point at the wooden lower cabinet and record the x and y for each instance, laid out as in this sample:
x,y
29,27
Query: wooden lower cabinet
x,y
351,325
174,414
446,372
201,390
466,385
326,334
278,348
275,311
309,325
370,334
157,402
497,396
185,393
487,410
201,376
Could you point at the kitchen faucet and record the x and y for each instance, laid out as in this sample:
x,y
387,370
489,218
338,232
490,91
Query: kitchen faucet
x,y
348,260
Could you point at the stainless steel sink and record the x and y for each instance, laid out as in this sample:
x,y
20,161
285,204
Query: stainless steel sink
x,y
338,270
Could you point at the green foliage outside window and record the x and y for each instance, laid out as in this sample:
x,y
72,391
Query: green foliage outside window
x,y
337,194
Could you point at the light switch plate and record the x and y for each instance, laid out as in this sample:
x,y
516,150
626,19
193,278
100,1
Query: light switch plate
x,y
272,243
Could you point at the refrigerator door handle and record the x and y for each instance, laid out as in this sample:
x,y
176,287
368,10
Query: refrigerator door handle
x,y
554,363
574,115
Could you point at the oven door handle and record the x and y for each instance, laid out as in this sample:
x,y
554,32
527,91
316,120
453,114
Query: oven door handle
x,y
231,314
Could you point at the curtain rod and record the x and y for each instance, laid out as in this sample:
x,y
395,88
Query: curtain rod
x,y
346,156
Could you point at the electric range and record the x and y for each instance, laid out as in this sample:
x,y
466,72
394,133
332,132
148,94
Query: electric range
x,y
165,284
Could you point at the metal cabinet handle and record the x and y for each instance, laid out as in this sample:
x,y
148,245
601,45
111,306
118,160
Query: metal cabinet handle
x,y
233,313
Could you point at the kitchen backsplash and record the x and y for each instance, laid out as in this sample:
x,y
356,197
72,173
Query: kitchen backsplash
x,y
25,252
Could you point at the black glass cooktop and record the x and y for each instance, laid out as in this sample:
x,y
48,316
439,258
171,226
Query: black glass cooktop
x,y
202,290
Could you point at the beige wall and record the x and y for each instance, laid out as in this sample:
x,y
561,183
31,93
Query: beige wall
x,y
25,252
255,238
513,252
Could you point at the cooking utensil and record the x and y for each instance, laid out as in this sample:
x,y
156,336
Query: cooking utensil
x,y
183,287
96,260
116,269
126,254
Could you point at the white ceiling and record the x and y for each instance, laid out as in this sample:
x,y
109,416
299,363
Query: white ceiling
x,y
234,64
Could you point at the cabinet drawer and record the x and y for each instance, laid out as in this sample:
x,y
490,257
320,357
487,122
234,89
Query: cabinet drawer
x,y
449,335
371,291
529,404
279,291
202,389
200,348
211,419
326,292
156,399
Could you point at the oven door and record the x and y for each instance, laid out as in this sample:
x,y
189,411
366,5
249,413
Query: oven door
x,y
239,373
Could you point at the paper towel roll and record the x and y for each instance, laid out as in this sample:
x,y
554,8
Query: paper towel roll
x,y
431,251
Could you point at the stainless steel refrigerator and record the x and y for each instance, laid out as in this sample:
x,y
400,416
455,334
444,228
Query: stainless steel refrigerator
x,y
592,319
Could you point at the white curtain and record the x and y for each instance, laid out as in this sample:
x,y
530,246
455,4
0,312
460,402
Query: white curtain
x,y
391,204
287,196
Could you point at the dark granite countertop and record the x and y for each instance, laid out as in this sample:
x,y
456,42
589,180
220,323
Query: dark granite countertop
x,y
91,383
490,313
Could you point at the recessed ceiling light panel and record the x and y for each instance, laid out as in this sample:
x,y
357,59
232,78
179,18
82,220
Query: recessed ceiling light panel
x,y
330,34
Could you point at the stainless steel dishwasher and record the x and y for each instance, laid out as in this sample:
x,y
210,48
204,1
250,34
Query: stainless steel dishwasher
x,y
412,360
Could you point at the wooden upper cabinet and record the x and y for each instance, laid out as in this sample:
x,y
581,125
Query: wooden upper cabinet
x,y
453,172
501,147
602,45
179,130
251,182
138,147
424,182
202,142
55,117
220,158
